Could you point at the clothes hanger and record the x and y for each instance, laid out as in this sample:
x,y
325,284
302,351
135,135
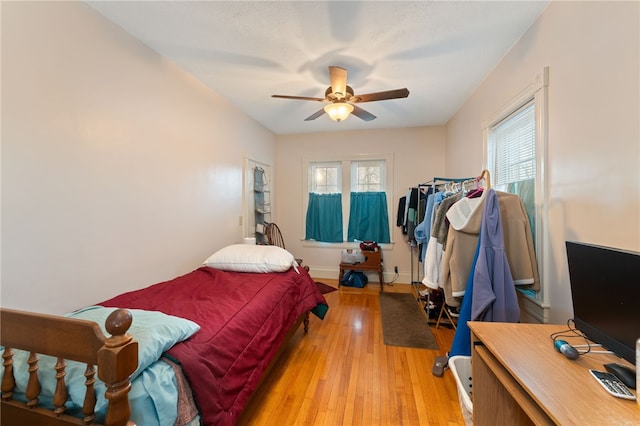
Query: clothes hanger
x,y
467,185
479,190
487,178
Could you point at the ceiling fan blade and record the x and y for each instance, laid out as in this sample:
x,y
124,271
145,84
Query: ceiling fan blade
x,y
315,115
338,77
362,114
381,96
300,98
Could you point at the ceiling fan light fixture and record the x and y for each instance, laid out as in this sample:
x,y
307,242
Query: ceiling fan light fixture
x,y
338,111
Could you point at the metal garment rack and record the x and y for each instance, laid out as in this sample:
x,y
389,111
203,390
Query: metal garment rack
x,y
416,252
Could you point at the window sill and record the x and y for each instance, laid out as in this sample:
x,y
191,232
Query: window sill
x,y
532,296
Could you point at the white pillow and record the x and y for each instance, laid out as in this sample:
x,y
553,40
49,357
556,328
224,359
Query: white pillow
x,y
251,258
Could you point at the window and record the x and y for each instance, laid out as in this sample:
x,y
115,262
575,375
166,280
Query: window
x,y
324,208
325,178
368,176
511,157
350,194
368,215
515,148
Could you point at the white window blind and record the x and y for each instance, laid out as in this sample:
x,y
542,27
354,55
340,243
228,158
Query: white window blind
x,y
512,142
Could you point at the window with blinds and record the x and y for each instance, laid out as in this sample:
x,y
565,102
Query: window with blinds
x,y
512,147
511,157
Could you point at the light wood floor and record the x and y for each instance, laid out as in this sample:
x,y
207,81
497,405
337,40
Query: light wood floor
x,y
342,373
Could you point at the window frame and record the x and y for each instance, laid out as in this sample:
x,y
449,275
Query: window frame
x,y
345,161
537,92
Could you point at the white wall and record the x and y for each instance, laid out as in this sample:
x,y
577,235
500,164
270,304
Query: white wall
x,y
418,155
592,50
113,161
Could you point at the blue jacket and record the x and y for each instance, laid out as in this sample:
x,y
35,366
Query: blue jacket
x,y
422,232
461,344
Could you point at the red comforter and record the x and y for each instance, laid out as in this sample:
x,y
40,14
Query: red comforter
x,y
244,318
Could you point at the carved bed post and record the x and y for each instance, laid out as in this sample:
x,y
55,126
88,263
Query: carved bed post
x,y
306,321
117,360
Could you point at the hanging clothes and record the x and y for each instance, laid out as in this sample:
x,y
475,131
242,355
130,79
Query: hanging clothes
x,y
430,232
423,230
465,218
494,293
412,213
461,344
491,233
402,202
437,244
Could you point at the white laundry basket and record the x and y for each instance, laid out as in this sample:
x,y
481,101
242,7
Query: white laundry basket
x,y
461,369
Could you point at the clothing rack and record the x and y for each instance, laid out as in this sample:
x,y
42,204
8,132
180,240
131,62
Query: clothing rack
x,y
421,238
415,248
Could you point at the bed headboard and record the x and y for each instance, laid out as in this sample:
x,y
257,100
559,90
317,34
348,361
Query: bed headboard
x,y
68,339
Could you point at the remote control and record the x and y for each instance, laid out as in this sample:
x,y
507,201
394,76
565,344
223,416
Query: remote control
x,y
612,384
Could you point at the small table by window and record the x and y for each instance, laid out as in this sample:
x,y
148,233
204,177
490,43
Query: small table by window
x,y
372,262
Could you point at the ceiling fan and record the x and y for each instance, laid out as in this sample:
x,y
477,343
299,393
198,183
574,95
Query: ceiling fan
x,y
341,98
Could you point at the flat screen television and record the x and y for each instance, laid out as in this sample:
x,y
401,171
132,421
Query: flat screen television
x,y
605,288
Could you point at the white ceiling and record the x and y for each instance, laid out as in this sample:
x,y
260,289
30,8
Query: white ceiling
x,y
248,50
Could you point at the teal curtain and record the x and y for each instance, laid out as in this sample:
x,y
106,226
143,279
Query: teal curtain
x,y
526,190
324,218
368,218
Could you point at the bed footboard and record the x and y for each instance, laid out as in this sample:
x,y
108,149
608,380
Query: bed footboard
x,y
68,339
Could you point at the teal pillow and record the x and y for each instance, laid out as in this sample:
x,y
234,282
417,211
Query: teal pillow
x,y
154,331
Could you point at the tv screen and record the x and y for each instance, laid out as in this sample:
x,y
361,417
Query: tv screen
x,y
605,287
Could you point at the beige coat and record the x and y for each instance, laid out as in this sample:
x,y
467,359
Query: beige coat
x,y
465,217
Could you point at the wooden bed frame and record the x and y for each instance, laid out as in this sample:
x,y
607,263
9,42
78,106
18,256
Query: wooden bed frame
x,y
83,341
68,339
